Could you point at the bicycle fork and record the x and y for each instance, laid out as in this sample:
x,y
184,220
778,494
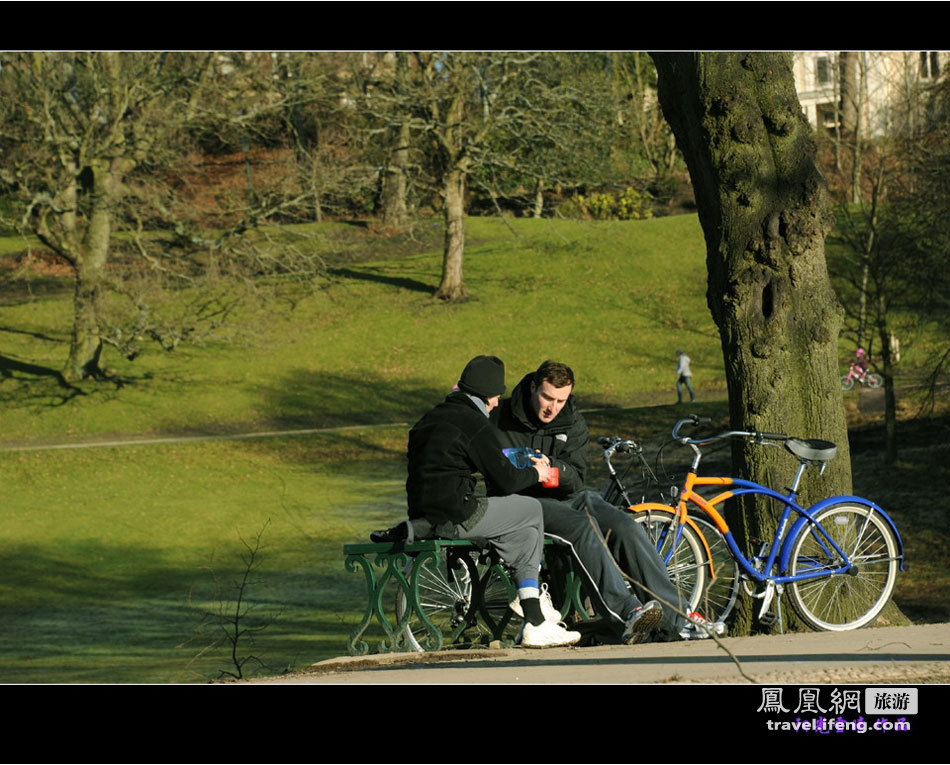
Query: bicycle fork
x,y
773,588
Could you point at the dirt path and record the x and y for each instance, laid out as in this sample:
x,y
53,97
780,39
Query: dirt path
x,y
901,655
138,440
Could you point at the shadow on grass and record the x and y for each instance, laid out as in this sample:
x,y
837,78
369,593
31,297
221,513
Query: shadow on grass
x,y
37,335
110,614
28,386
34,384
305,400
328,399
909,493
375,276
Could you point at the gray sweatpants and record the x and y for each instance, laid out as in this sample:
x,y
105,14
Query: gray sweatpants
x,y
513,525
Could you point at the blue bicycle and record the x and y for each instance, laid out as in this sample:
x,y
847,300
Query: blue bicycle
x,y
838,558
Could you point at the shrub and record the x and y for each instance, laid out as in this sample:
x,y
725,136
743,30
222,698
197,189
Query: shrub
x,y
630,204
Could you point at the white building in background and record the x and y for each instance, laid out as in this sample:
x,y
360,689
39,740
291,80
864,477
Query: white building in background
x,y
891,86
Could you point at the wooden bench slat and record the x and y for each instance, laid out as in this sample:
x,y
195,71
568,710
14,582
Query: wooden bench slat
x,y
420,545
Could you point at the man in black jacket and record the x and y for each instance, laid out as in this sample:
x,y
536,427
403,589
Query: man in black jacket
x,y
542,414
447,447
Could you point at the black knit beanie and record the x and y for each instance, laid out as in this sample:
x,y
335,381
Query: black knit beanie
x,y
483,376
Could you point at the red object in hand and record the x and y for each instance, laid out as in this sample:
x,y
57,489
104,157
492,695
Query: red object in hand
x,y
554,479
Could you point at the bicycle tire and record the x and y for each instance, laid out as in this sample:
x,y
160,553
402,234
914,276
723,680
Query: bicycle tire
x,y
847,382
722,587
686,565
446,601
873,380
854,599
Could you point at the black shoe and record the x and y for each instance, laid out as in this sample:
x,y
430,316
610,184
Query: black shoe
x,y
638,626
397,533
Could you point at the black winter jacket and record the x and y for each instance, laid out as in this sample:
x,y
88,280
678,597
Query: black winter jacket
x,y
452,442
564,440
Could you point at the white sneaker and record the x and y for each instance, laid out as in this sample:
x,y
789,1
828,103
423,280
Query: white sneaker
x,y
547,635
550,613
699,628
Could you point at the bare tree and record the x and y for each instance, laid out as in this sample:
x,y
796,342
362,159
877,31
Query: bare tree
x,y
446,107
870,281
79,128
639,113
100,153
393,197
546,144
889,224
232,620
457,116
317,99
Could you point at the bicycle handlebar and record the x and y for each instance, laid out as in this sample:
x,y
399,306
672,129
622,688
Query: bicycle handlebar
x,y
614,444
755,435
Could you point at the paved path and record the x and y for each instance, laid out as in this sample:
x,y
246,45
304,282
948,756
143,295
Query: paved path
x,y
911,655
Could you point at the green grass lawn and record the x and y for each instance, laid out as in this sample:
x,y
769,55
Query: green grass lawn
x,y
113,556
373,347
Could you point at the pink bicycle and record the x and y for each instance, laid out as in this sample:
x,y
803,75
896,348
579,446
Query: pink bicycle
x,y
864,377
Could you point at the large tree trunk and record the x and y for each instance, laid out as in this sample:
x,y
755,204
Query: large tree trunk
x,y
455,165
849,94
763,207
538,210
394,208
852,107
395,212
85,348
452,287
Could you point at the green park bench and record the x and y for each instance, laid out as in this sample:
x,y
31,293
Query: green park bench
x,y
448,593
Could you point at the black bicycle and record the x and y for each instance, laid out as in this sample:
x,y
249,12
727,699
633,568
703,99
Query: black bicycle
x,y
698,558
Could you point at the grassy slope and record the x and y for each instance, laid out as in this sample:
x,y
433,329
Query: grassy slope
x,y
115,552
374,347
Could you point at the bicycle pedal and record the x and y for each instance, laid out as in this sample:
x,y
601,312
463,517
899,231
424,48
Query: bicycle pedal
x,y
768,619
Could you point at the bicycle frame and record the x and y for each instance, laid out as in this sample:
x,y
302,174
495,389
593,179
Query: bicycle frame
x,y
780,547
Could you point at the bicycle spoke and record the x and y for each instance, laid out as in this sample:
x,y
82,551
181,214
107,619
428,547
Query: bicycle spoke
x,y
682,551
853,598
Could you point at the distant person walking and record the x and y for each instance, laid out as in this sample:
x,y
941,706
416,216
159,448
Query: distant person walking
x,y
683,375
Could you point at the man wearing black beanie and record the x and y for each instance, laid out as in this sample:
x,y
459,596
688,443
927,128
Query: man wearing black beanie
x,y
447,447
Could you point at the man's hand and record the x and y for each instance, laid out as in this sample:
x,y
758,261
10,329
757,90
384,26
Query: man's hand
x,y
543,465
540,459
543,470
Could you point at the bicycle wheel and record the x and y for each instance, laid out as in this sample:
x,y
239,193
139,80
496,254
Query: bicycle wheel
x,y
847,382
844,601
722,588
445,597
685,557
873,380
